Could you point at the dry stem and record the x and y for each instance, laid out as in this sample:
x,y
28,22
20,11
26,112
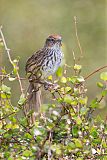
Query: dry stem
x,y
8,53
76,32
97,70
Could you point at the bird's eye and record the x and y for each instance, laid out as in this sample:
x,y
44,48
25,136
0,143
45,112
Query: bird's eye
x,y
52,40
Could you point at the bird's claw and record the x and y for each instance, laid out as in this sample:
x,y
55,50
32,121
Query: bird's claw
x,y
50,86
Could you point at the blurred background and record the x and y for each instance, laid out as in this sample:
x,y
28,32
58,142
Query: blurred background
x,y
27,23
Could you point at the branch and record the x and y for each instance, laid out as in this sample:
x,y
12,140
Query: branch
x,y
7,76
8,53
7,116
41,153
5,45
97,70
74,57
76,32
20,83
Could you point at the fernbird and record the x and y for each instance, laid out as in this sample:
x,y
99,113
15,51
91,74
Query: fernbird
x,y
40,65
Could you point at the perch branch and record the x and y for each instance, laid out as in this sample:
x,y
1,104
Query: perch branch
x,y
97,70
5,45
8,53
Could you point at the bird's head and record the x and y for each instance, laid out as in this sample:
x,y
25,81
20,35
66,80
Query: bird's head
x,y
53,41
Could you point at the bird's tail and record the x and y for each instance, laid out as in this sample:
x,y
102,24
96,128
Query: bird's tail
x,y
34,98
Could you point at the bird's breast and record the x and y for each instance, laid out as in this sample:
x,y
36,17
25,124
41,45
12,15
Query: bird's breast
x,y
51,62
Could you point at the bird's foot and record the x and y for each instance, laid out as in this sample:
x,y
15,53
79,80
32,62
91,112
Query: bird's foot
x,y
50,86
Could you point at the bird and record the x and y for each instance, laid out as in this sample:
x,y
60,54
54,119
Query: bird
x,y
40,65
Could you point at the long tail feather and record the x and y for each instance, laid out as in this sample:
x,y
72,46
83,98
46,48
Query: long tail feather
x,y
34,98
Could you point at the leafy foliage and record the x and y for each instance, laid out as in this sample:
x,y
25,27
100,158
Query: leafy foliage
x,y
65,129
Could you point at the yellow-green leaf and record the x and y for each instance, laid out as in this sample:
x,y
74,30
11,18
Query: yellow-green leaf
x,y
22,99
103,76
77,67
59,72
63,79
6,89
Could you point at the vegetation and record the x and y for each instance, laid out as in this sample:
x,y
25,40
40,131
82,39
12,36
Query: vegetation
x,y
64,130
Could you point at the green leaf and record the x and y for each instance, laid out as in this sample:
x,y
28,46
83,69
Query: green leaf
x,y
50,125
78,143
23,121
94,132
73,80
7,135
96,140
3,71
99,84
28,136
4,95
83,100
11,158
71,146
9,125
39,138
27,153
13,119
15,70
77,67
104,144
80,79
94,103
50,77
79,158
6,89
58,149
6,154
22,100
103,76
78,120
59,72
67,89
63,80
75,131
104,93
68,99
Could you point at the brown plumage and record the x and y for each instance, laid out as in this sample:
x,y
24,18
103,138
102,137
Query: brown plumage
x,y
39,66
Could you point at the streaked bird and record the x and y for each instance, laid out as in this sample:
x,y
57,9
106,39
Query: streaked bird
x,y
40,65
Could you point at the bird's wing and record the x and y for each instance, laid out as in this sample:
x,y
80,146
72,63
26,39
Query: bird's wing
x,y
34,61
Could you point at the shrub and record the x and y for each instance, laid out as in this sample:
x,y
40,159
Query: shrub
x,y
64,130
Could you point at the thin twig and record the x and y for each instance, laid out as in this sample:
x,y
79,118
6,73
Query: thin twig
x,y
97,70
5,45
49,150
74,57
7,76
74,60
76,32
8,53
7,116
20,83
